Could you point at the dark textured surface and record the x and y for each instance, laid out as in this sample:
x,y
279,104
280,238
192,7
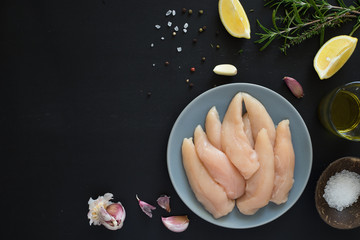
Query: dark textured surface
x,y
77,122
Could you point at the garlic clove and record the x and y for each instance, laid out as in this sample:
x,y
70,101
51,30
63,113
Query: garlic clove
x,y
145,207
176,223
225,69
164,202
104,212
294,87
117,216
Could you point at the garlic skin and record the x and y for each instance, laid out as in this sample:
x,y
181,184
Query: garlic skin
x,y
145,207
176,223
164,202
104,212
294,87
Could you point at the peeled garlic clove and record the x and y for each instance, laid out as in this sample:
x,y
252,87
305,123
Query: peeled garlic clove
x,y
294,87
225,69
164,202
176,223
145,207
104,212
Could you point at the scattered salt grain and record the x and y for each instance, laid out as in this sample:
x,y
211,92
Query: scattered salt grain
x,y
179,49
152,45
169,24
157,26
185,30
162,38
186,25
176,28
342,189
173,12
153,64
168,12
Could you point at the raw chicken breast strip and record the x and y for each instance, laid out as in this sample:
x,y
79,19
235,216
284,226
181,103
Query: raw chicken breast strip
x,y
259,186
213,127
234,141
284,163
210,194
247,129
218,165
259,117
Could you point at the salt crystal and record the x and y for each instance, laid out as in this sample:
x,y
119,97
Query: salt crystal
x,y
173,12
162,38
169,23
185,30
157,26
168,12
176,28
179,49
342,189
186,25
152,45
153,64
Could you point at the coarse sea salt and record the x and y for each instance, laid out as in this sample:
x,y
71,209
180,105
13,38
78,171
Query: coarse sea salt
x,y
176,28
185,30
169,24
168,12
157,26
342,189
186,25
179,49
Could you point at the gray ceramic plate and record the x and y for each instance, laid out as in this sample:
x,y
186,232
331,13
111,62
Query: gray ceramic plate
x,y
279,108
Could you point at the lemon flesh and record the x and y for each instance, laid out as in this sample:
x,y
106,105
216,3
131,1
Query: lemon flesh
x,y
234,18
333,55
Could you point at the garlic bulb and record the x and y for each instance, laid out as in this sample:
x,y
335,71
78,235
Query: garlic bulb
x,y
104,212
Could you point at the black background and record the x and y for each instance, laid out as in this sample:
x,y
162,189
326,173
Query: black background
x,y
77,120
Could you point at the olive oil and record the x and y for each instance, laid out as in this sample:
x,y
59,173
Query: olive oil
x,y
345,112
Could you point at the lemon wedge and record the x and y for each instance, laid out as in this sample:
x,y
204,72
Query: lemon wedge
x,y
234,18
225,69
333,55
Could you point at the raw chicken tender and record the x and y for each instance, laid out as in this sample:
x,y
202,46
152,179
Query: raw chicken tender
x,y
218,165
259,117
247,129
213,127
284,163
234,141
210,194
259,186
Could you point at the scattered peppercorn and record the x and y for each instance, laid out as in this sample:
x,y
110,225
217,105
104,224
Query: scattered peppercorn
x,y
192,69
183,10
218,46
191,85
204,28
201,12
194,40
190,11
201,29
167,63
203,59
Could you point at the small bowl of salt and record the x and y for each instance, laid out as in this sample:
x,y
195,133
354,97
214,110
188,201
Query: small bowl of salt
x,y
337,193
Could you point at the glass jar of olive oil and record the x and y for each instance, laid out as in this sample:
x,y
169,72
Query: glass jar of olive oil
x,y
339,111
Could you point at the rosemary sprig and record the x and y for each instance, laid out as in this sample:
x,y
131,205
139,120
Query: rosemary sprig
x,y
297,20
